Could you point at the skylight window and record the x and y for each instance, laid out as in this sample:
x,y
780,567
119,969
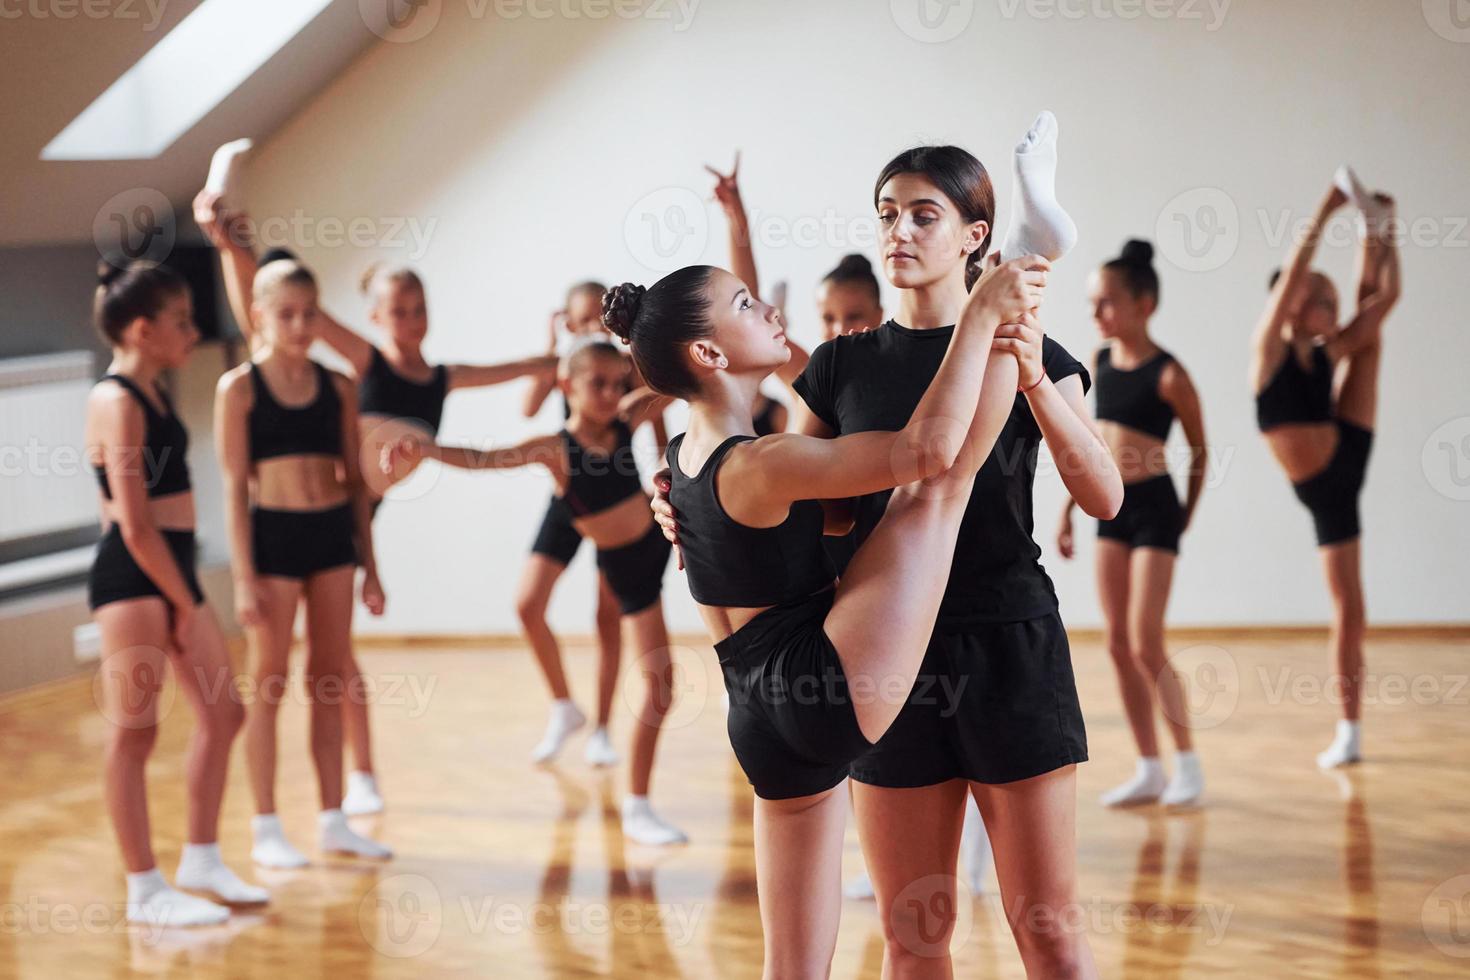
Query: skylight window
x,y
182,78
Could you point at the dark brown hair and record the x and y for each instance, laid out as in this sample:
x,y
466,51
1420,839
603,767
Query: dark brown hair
x,y
125,293
961,178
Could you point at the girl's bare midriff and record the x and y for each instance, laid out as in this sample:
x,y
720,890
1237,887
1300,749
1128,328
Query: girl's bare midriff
x,y
1139,455
304,482
1303,448
174,512
621,524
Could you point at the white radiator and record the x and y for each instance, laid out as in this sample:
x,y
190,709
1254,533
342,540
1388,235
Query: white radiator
x,y
45,483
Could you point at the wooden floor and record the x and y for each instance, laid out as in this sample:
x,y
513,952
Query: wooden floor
x,y
509,871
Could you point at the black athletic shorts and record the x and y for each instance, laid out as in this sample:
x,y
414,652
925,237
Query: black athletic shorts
x,y
116,575
1151,516
1332,495
557,538
299,543
994,703
791,723
635,572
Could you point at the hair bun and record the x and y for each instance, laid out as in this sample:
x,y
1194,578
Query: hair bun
x,y
107,273
620,306
855,262
1136,251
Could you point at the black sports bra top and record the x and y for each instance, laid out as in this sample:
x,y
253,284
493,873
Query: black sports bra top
x,y
383,391
732,564
279,430
599,482
1294,395
164,453
1131,397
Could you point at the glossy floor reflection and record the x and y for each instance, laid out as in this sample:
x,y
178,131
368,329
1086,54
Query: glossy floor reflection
x,y
511,871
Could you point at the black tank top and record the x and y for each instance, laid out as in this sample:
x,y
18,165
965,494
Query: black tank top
x,y
164,453
383,391
1131,397
598,482
765,422
277,430
731,564
1294,395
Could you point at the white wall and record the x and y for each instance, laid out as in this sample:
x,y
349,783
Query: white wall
x,y
527,148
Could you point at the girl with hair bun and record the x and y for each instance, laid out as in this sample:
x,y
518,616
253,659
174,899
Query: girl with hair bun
x,y
144,594
849,299
1141,389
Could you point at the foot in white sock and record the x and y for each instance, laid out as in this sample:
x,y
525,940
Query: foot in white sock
x,y
1188,783
1145,786
565,718
152,901
271,849
201,869
1374,212
859,888
225,169
1346,747
338,838
1039,225
641,824
974,848
600,751
362,797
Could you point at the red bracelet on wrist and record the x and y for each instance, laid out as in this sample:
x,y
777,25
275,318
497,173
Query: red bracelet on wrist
x,y
1034,383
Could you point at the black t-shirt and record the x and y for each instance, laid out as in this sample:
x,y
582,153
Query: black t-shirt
x,y
874,381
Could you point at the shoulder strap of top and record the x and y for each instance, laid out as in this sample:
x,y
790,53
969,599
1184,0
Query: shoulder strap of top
x,y
131,387
326,386
717,457
258,386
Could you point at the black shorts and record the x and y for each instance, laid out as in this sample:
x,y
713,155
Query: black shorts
x,y
1332,495
116,575
635,572
993,703
1151,516
299,543
791,723
557,539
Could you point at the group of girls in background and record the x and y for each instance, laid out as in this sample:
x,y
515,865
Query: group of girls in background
x,y
879,539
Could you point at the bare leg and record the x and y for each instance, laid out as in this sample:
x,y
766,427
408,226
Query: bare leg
x,y
355,716
911,840
1112,591
328,648
1033,827
134,634
1349,620
798,871
532,596
887,602
207,679
651,640
609,649
271,642
1152,575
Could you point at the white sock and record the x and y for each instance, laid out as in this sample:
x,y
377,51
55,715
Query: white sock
x,y
362,796
152,901
1371,211
641,824
1145,786
600,751
1038,223
565,718
224,171
201,869
1188,783
974,847
1346,747
859,888
337,837
271,849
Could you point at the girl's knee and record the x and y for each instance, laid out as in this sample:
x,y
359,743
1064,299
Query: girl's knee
x,y
131,743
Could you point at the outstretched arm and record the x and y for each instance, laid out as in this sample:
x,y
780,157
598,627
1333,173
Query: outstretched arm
x,y
1378,287
543,368
409,450
1268,344
742,257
